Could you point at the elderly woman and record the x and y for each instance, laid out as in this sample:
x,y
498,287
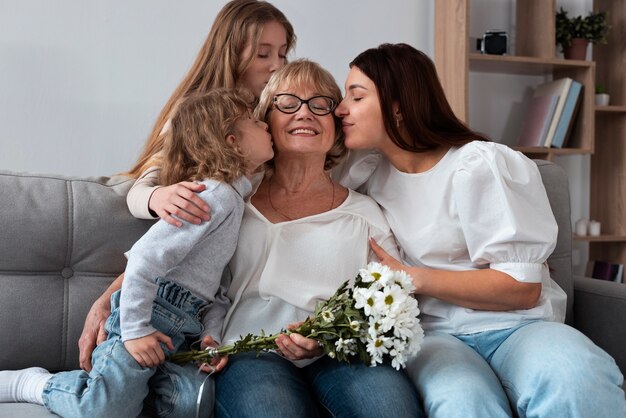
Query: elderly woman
x,y
301,236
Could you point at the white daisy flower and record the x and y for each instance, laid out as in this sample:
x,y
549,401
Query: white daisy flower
x,y
404,327
328,315
378,347
375,327
390,299
348,345
364,299
398,354
375,272
402,279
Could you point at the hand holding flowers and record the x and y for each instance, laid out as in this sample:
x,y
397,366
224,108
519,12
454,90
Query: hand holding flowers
x,y
376,319
215,364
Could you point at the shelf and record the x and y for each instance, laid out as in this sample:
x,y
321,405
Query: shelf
x,y
553,151
610,109
582,136
523,65
600,238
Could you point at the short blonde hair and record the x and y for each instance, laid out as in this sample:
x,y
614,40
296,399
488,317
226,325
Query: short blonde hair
x,y
303,72
197,147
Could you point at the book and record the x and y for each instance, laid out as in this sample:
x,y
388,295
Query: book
x,y
536,121
564,126
613,272
560,88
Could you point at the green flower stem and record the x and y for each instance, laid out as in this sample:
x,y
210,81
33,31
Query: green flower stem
x,y
230,349
262,342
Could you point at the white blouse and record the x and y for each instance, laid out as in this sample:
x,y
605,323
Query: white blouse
x,y
482,205
281,271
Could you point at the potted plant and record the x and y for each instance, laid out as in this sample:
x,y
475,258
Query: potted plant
x,y
574,34
602,97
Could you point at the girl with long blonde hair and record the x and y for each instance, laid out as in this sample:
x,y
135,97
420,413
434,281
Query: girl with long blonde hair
x,y
248,41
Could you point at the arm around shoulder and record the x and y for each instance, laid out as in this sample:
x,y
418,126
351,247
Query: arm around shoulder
x,y
138,197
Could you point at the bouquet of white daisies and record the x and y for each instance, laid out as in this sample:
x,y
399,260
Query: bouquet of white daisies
x,y
375,319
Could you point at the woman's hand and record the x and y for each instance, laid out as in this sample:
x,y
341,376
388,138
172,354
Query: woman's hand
x,y
395,264
93,333
385,258
93,330
147,350
179,199
217,363
297,347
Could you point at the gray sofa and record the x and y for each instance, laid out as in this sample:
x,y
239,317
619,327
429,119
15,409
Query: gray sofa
x,y
62,243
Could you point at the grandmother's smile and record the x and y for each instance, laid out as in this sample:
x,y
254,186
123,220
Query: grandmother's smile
x,y
303,131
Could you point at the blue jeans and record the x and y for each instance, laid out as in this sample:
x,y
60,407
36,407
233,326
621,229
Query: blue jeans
x,y
117,385
541,369
271,386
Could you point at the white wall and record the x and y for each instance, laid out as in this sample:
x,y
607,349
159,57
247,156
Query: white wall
x,y
81,82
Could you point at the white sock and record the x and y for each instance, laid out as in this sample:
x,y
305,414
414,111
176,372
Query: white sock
x,y
23,385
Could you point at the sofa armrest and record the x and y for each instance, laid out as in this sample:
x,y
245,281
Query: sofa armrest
x,y
599,313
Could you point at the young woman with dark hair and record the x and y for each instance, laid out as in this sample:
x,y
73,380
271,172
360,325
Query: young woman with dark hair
x,y
474,223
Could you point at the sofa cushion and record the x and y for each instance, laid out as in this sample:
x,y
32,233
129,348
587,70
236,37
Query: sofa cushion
x,y
62,244
560,262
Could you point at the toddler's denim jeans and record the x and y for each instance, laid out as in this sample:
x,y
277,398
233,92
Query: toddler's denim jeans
x,y
117,385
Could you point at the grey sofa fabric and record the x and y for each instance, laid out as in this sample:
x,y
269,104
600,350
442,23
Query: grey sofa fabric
x,y
600,314
560,261
597,308
62,242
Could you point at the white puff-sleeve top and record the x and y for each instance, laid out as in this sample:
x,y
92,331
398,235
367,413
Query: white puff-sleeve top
x,y
483,205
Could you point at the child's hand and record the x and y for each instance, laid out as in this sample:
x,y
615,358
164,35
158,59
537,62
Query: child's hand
x,y
217,363
147,350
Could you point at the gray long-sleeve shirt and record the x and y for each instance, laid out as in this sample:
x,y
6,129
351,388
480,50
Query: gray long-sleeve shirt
x,y
193,256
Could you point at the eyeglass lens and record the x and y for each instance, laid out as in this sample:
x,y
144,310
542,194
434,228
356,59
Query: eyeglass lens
x,y
318,105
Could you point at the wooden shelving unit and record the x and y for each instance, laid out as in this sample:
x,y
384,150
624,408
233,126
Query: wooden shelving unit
x,y
535,56
598,130
608,164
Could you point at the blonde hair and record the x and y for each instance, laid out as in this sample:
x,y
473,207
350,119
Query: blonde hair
x,y
303,72
197,148
218,64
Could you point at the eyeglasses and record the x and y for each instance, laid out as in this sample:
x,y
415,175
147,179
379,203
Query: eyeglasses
x,y
318,105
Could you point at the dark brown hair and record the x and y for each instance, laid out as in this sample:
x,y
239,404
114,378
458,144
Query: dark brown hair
x,y
406,76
